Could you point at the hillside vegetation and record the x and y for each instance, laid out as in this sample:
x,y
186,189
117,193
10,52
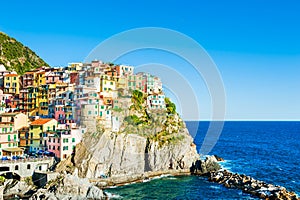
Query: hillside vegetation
x,y
15,56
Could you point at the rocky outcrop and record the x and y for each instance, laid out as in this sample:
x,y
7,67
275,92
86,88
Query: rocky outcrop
x,y
114,155
251,186
12,187
69,187
202,167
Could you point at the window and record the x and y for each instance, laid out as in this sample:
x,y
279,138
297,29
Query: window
x,y
65,148
73,139
53,148
8,138
49,146
28,166
90,112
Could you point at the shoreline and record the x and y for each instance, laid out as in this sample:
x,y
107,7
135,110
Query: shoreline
x,y
223,177
105,183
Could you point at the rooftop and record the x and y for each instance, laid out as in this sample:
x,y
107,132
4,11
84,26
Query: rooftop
x,y
10,114
11,75
41,121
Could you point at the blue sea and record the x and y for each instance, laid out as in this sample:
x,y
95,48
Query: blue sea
x,y
268,151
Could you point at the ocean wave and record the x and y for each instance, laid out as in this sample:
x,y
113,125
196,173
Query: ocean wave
x,y
215,187
161,176
113,196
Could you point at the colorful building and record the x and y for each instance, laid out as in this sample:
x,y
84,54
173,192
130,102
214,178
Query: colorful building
x,y
19,120
11,84
39,132
9,140
63,142
155,102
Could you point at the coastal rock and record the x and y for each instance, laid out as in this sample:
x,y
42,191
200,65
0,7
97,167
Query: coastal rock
x,y
17,187
219,159
115,155
69,187
201,167
251,186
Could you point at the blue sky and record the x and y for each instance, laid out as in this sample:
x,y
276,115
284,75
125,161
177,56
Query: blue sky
x,y
255,44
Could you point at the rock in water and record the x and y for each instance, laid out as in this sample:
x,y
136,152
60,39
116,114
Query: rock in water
x,y
219,159
202,167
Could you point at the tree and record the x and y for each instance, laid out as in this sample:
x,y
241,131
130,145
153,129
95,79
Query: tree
x,y
171,107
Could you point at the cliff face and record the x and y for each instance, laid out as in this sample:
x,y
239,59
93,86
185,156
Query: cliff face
x,y
112,154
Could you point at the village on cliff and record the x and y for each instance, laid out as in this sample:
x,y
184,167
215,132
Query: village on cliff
x,y
46,111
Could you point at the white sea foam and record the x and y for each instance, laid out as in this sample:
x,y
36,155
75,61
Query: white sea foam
x,y
113,196
161,176
215,187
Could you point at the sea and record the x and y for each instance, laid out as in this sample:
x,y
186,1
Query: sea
x,y
267,151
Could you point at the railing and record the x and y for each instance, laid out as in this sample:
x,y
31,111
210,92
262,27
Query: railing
x,y
25,160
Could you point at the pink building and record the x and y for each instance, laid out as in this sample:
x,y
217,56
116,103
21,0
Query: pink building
x,y
59,113
54,77
63,142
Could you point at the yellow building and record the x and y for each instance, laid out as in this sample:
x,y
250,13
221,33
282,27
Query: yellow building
x,y
42,100
11,84
107,84
38,133
73,67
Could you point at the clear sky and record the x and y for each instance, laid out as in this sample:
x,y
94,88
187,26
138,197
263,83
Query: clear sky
x,y
254,43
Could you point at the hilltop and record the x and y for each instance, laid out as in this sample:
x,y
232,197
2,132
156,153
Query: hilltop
x,y
15,56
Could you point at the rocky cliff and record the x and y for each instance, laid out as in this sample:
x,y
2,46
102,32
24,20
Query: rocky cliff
x,y
112,155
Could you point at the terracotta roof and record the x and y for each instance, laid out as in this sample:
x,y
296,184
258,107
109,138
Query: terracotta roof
x,y
10,75
30,72
40,121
